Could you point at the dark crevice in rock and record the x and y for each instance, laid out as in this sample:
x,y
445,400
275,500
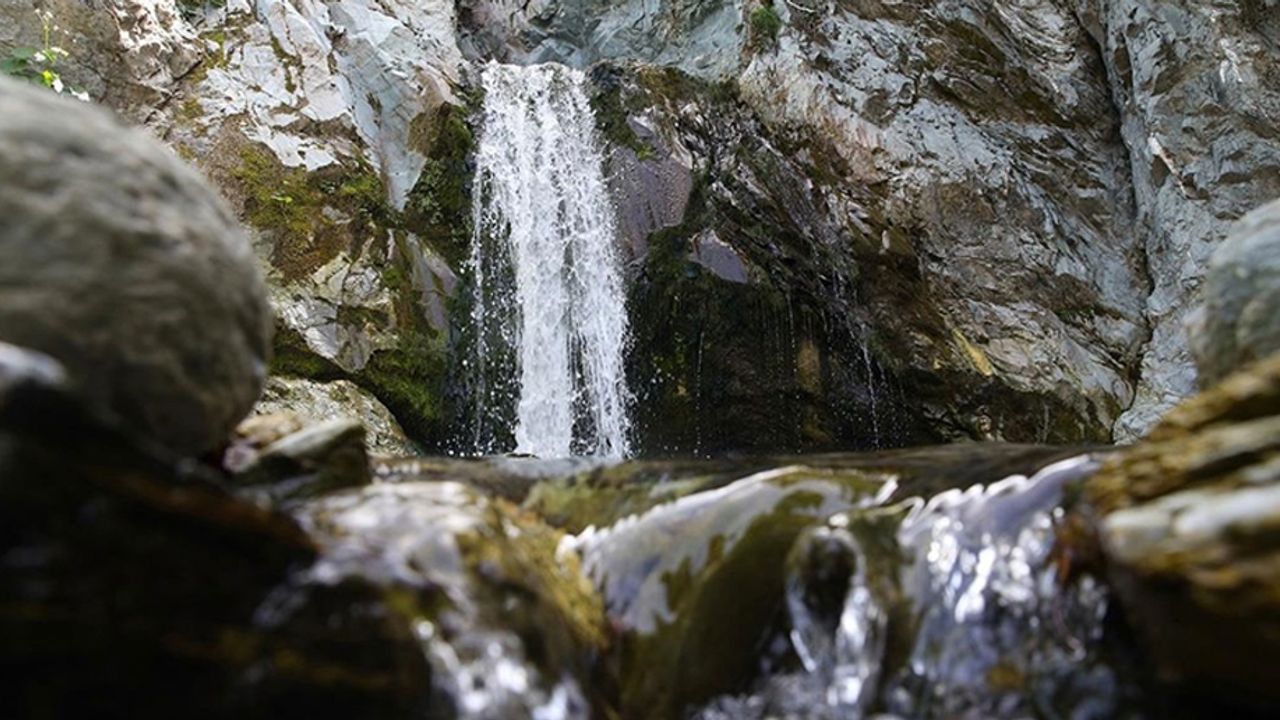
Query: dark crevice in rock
x,y
1114,73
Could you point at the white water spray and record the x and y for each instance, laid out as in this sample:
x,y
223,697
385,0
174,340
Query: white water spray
x,y
547,271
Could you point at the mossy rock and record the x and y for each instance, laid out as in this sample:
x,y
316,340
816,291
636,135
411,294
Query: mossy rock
x,y
471,572
697,585
1188,519
151,580
310,216
438,207
408,379
765,24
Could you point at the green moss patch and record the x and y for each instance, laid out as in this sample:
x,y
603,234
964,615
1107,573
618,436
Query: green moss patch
x,y
765,24
311,216
438,207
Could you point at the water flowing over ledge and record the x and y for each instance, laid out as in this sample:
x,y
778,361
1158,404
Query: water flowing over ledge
x,y
549,312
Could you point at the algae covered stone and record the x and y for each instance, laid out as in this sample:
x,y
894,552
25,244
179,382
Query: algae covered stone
x,y
505,618
122,263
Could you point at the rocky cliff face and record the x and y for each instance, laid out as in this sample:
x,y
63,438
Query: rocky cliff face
x,y
1049,177
851,222
1198,97
322,123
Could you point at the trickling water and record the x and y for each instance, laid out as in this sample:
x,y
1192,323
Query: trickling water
x,y
998,634
871,390
549,317
985,624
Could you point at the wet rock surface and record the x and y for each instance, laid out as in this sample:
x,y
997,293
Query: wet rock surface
x,y
919,609
958,580
138,585
122,263
1188,523
1028,191
722,585
134,585
277,457
991,185
601,494
853,225
508,624
885,222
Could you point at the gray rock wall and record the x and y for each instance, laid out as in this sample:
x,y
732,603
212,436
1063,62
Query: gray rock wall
x,y
1197,87
1060,170
1006,206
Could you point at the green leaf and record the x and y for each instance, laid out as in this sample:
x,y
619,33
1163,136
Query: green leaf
x,y
13,66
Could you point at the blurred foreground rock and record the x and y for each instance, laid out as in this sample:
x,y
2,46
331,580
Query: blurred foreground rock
x,y
137,584
1239,322
133,585
280,458
121,262
1190,521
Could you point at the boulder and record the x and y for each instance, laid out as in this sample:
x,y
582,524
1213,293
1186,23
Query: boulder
x,y
123,264
132,584
1239,320
1188,526
276,458
319,401
509,625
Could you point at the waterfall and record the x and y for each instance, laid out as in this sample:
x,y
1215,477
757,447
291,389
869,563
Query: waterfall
x,y
549,314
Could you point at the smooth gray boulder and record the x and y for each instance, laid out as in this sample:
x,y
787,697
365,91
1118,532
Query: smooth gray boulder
x,y
123,264
1239,320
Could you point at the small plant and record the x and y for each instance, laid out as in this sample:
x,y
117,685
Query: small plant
x,y
765,26
40,65
195,11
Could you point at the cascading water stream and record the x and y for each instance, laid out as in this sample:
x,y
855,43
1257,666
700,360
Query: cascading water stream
x,y
955,607
549,313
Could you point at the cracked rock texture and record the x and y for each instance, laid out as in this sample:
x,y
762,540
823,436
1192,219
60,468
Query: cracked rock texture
x,y
880,222
1197,88
315,403
1049,176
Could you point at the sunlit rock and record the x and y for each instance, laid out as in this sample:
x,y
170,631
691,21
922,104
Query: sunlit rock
x,y
125,265
317,401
